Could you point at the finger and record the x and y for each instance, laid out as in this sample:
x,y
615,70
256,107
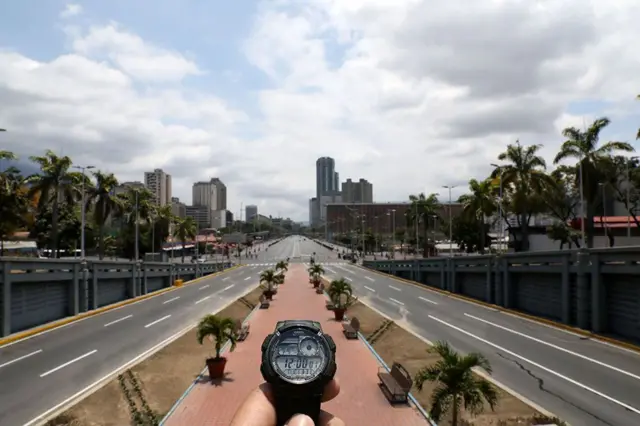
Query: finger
x,y
328,419
300,420
331,390
257,409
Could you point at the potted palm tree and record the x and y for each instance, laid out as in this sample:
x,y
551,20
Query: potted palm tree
x,y
457,385
220,330
341,294
279,278
315,271
269,281
282,266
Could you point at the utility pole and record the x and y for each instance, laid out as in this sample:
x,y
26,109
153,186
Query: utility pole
x,y
450,187
500,212
416,220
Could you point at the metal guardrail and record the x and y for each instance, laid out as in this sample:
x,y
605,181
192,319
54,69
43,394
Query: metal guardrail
x,y
596,290
37,291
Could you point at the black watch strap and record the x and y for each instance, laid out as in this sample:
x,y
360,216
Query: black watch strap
x,y
288,406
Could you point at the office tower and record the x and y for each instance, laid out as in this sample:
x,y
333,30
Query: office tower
x,y
357,192
159,183
251,213
326,177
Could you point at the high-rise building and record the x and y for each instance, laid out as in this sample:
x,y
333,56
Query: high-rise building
x,y
326,176
314,211
251,212
159,183
357,192
201,215
178,208
221,191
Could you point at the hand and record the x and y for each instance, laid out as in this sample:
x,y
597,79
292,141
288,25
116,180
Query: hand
x,y
259,410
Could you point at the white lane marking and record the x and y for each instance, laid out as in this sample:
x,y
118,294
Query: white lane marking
x,y
369,288
394,288
551,345
21,358
66,364
254,266
427,300
118,320
157,321
369,278
228,287
202,300
203,287
171,300
396,301
535,364
347,278
225,278
247,279
331,270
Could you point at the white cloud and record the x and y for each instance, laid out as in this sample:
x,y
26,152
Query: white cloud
x,y
71,10
410,94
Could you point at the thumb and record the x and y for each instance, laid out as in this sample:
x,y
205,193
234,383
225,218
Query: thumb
x,y
300,420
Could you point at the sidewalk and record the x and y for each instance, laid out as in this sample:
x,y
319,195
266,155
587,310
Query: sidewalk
x,y
360,401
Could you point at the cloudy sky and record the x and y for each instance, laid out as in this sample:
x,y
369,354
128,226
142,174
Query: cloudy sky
x,y
410,94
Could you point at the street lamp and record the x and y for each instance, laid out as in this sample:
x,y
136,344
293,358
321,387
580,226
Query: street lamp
x,y
450,187
500,212
83,208
631,159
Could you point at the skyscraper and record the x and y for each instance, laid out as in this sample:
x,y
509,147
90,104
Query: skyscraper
x,y
327,180
251,213
159,183
357,192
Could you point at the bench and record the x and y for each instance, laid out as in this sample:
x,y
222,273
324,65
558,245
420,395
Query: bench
x,y
241,330
395,384
264,302
351,328
320,289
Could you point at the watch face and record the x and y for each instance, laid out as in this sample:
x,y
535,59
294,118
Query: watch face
x,y
298,355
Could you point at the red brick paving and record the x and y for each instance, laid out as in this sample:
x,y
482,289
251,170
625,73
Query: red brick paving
x,y
360,401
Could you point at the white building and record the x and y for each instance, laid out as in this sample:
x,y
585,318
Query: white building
x,y
159,183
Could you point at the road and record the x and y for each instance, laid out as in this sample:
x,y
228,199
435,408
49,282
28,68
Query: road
x,y
584,382
38,373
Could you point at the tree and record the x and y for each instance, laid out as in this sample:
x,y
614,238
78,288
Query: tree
x,y
14,200
54,184
470,233
185,230
421,209
478,205
221,330
583,147
268,277
524,180
105,203
457,386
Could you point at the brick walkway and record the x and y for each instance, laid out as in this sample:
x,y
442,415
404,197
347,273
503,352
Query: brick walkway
x,y
360,401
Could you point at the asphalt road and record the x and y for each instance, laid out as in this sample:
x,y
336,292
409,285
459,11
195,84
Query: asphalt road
x,y
38,373
582,381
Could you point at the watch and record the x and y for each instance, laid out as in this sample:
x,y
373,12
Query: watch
x,y
298,360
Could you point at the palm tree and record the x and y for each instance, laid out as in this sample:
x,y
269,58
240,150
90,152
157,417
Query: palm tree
x,y
163,217
222,330
269,277
315,271
282,266
341,294
422,208
457,386
583,147
54,184
479,204
186,229
105,203
524,179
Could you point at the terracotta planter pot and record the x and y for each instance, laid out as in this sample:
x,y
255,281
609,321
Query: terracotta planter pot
x,y
316,284
268,294
338,314
216,367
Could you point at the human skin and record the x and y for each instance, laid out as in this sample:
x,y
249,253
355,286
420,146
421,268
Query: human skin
x,y
258,409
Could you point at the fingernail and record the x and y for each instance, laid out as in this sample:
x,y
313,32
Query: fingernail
x,y
300,420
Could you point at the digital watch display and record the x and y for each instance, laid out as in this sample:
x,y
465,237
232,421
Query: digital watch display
x,y
298,359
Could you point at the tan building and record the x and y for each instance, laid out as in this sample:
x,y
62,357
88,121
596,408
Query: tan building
x,y
357,192
159,183
178,208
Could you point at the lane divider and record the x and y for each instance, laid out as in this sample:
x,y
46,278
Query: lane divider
x,y
118,320
23,335
542,321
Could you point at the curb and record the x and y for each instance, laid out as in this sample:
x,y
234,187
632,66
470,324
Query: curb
x,y
542,321
201,375
21,335
100,383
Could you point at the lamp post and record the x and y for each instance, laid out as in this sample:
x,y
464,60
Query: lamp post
x,y
450,187
500,212
364,249
137,229
628,197
393,230
83,209
416,223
